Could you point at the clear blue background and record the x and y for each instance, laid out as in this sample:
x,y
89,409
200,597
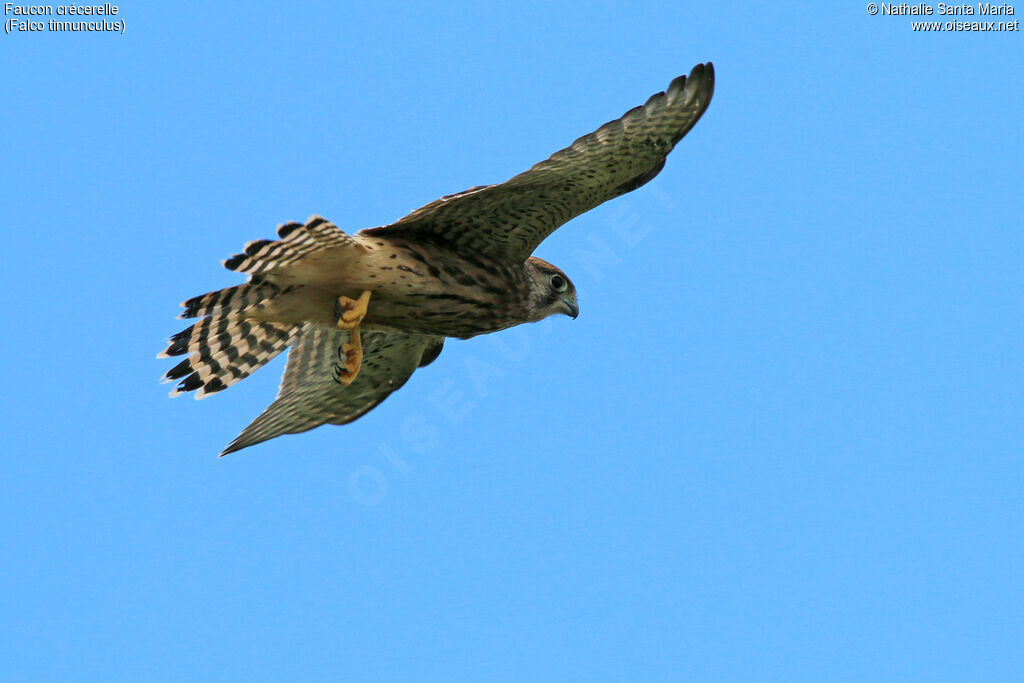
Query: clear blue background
x,y
783,441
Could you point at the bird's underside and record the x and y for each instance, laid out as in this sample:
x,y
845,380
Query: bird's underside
x,y
361,313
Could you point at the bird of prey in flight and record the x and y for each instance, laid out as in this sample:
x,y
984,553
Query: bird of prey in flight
x,y
362,312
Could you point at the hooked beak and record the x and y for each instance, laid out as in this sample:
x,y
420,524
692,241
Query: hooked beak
x,y
570,307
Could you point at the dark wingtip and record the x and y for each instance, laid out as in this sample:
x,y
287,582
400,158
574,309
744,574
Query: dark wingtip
x,y
698,87
705,75
707,71
231,448
701,77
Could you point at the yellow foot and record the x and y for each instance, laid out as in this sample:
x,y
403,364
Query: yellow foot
x,y
350,359
349,312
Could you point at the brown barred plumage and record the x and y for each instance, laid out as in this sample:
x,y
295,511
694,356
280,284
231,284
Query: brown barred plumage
x,y
231,299
223,349
458,267
296,241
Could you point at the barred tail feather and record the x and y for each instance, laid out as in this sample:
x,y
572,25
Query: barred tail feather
x,y
231,299
222,350
297,240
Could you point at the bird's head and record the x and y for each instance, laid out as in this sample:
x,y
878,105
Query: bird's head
x,y
551,291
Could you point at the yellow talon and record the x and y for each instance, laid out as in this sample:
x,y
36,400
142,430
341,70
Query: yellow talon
x,y
350,312
351,359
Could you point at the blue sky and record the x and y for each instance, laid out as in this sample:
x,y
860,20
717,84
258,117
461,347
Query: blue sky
x,y
783,441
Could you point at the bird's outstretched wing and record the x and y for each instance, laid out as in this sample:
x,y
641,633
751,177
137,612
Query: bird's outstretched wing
x,y
311,394
508,221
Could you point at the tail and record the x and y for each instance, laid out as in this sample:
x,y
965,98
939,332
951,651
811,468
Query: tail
x,y
225,345
297,240
232,299
222,350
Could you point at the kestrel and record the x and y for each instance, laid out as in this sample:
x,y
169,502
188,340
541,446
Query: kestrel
x,y
362,312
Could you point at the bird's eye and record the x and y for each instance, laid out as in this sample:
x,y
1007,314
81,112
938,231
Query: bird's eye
x,y
559,283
